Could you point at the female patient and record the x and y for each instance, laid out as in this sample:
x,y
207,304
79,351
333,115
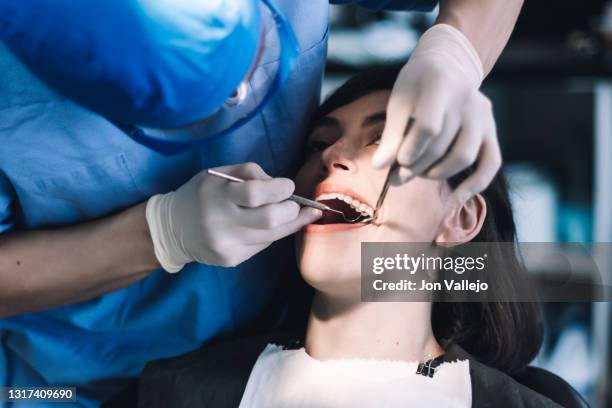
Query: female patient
x,y
360,354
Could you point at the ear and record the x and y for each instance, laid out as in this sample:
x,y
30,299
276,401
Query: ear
x,y
463,222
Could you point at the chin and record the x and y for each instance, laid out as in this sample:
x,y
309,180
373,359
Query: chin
x,y
330,265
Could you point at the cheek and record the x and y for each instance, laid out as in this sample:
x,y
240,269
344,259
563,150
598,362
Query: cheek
x,y
306,178
415,210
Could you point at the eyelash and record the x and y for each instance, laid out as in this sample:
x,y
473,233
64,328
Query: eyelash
x,y
376,140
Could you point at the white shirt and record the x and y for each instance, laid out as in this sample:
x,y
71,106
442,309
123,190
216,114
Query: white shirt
x,y
293,379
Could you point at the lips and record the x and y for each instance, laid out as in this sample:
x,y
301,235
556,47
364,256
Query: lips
x,y
343,201
329,228
354,207
325,188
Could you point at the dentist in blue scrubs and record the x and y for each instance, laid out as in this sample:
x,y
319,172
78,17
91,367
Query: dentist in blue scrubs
x,y
115,247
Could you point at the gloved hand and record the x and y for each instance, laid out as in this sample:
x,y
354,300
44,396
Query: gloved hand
x,y
453,122
216,222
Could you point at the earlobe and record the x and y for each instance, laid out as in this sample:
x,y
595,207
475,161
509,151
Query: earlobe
x,y
463,223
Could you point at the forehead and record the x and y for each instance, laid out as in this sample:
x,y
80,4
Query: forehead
x,y
363,106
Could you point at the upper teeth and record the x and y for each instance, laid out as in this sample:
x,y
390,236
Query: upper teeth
x,y
356,204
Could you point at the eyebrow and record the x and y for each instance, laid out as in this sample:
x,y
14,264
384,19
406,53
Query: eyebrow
x,y
327,121
374,119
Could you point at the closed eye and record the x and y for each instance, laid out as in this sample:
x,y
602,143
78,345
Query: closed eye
x,y
375,140
316,147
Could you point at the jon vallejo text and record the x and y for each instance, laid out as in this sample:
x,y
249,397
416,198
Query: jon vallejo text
x,y
425,285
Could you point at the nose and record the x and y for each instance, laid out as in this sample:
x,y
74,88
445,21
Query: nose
x,y
339,157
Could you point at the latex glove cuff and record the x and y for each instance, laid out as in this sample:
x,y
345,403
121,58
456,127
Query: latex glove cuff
x,y
452,45
159,218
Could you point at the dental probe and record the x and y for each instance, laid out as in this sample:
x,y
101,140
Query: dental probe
x,y
304,202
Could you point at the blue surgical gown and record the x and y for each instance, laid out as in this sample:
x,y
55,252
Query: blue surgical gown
x,y
61,165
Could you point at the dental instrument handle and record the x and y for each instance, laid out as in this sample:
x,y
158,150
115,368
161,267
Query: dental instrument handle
x,y
385,189
224,176
383,194
393,169
304,202
295,198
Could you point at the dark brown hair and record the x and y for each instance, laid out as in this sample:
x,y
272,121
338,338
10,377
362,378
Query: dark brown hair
x,y
504,335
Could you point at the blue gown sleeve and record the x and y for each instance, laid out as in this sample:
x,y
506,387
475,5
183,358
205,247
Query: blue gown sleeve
x,y
6,201
406,5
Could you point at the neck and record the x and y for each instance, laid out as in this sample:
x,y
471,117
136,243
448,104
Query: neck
x,y
340,329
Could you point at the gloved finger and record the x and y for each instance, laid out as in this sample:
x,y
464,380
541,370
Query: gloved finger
x,y
269,216
255,193
489,162
439,146
462,154
429,114
306,216
399,110
246,171
404,174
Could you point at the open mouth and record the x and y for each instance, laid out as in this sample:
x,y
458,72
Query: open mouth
x,y
353,210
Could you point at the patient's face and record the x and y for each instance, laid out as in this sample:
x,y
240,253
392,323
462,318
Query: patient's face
x,y
338,170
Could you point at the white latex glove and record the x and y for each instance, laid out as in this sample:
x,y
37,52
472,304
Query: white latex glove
x,y
453,121
216,222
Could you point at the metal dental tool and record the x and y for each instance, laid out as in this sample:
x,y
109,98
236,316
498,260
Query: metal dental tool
x,y
393,169
304,202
